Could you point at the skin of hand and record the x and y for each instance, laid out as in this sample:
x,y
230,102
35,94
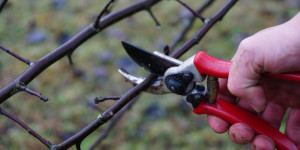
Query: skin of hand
x,y
273,50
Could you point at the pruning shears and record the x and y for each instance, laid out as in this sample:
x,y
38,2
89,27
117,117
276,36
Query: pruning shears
x,y
183,78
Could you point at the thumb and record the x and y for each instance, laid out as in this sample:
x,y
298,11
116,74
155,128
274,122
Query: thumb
x,y
244,75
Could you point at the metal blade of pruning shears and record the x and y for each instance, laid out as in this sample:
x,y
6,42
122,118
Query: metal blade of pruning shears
x,y
154,63
157,87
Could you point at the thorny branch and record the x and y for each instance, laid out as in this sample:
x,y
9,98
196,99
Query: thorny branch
x,y
105,9
26,61
40,65
28,129
188,26
192,11
112,123
204,29
127,97
39,95
166,52
67,48
147,82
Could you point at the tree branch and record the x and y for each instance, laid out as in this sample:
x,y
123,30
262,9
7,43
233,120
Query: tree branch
x,y
26,61
105,9
28,129
189,25
40,65
112,123
39,95
204,29
128,96
192,11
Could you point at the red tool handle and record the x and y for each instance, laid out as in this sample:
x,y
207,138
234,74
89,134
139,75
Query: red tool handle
x,y
211,66
234,114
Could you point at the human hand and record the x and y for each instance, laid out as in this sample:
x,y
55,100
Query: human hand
x,y
273,50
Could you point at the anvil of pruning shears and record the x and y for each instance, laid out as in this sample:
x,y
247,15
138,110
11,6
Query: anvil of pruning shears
x,y
183,78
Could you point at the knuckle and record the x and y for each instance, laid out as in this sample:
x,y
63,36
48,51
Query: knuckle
x,y
245,44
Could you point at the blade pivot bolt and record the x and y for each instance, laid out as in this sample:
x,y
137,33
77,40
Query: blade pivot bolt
x,y
173,88
198,97
187,76
179,83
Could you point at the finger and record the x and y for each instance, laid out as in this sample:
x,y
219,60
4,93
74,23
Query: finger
x,y
217,124
284,93
293,126
274,114
244,104
244,76
224,93
262,142
241,133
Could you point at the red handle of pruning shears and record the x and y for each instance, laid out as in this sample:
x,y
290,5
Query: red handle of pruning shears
x,y
234,114
211,66
208,65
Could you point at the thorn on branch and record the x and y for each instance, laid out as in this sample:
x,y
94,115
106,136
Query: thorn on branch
x,y
78,145
26,61
70,58
105,9
3,3
39,95
24,126
154,18
102,99
192,11
166,50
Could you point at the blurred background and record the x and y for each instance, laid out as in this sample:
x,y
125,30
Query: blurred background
x,y
33,28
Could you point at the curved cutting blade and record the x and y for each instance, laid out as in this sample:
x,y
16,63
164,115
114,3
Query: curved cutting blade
x,y
150,61
157,87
